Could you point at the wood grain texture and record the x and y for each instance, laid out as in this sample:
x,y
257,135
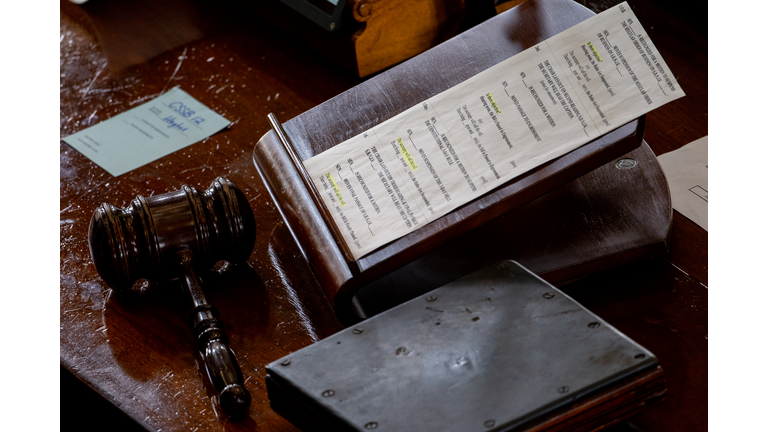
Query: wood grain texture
x,y
396,30
610,407
663,309
141,357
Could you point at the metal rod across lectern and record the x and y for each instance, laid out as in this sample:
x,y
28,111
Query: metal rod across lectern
x,y
310,186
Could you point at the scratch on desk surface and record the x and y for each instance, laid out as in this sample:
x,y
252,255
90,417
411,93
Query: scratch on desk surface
x,y
683,271
77,198
143,98
90,85
178,66
293,298
111,89
201,168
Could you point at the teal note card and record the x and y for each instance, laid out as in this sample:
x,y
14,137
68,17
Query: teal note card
x,y
150,131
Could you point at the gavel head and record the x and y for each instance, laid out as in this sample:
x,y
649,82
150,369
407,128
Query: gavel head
x,y
141,241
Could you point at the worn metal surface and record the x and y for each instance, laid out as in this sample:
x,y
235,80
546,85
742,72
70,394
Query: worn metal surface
x,y
490,351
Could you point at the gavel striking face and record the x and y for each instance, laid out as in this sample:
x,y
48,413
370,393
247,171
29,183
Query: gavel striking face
x,y
176,235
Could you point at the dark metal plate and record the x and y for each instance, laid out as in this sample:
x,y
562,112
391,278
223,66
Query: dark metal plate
x,y
491,351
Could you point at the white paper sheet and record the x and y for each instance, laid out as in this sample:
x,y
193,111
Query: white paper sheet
x,y
472,138
686,170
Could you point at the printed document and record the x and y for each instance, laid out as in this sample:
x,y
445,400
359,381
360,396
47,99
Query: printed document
x,y
472,138
687,174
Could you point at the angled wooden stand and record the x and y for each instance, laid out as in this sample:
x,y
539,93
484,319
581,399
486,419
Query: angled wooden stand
x,y
463,241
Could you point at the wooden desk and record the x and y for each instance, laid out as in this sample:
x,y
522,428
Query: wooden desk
x,y
142,357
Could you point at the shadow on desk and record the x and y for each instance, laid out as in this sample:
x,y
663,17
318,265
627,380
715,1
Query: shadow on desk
x,y
82,409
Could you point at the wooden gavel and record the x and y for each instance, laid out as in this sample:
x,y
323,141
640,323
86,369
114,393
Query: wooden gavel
x,y
177,235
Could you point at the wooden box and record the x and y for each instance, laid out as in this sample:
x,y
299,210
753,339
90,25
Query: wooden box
x,y
369,35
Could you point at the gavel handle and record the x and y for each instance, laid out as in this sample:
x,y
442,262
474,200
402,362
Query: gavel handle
x,y
220,362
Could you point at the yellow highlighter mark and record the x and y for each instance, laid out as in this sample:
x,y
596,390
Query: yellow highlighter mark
x,y
407,154
493,103
594,51
335,188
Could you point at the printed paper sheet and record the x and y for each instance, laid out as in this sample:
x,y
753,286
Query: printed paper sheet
x,y
687,174
472,138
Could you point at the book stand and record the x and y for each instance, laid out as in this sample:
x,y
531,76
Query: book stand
x,y
603,211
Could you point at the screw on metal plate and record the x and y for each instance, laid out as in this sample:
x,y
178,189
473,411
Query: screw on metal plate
x,y
285,362
357,330
328,393
594,324
431,298
489,423
548,295
563,389
640,356
364,9
371,425
626,163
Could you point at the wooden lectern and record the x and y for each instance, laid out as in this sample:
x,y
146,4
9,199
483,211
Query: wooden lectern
x,y
602,204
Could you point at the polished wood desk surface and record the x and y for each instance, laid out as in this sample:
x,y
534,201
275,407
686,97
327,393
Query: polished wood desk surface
x,y
141,356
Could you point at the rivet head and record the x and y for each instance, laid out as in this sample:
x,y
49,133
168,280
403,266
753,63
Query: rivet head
x,y
364,9
431,298
640,356
489,423
504,266
285,362
563,389
548,295
357,330
593,325
626,163
371,425
328,393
